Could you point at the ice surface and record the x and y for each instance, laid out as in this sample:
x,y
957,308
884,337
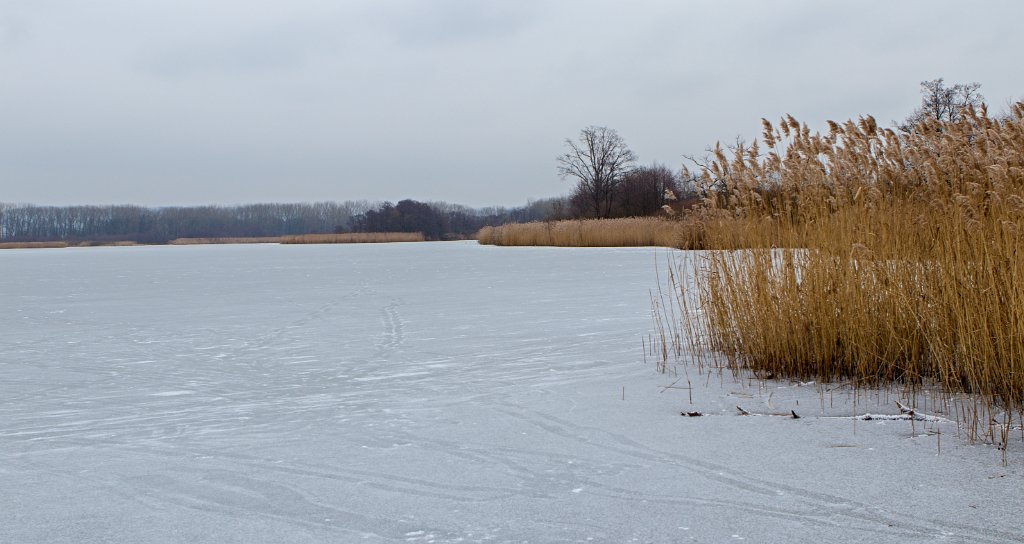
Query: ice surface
x,y
425,393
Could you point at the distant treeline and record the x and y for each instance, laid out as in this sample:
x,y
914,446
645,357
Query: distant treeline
x,y
440,220
436,220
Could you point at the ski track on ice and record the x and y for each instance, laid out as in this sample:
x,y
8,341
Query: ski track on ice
x,y
393,328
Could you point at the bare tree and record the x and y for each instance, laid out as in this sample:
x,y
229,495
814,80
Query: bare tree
x,y
942,103
598,161
645,190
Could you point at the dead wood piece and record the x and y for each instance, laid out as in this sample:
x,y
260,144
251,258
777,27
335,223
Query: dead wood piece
x,y
791,414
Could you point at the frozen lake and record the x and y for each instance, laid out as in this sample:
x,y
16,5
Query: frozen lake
x,y
442,392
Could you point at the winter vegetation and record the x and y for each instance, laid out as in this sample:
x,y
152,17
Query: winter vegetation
x,y
341,238
32,245
354,238
613,204
225,240
619,232
254,222
71,224
868,254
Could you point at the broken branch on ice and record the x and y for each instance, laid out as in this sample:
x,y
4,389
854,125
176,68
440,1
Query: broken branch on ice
x,y
906,414
791,414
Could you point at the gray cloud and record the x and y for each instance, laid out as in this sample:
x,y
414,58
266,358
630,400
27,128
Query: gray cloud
x,y
455,22
235,101
256,54
12,32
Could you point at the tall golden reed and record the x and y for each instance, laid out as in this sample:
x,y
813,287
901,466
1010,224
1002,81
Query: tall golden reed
x,y
871,256
632,231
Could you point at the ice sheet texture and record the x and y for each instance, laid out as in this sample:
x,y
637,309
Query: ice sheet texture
x,y
434,392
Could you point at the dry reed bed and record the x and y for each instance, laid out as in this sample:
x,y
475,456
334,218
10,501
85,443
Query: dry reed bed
x,y
113,243
32,245
636,231
354,238
44,245
909,269
225,240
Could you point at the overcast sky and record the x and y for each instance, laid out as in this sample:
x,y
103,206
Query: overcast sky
x,y
162,102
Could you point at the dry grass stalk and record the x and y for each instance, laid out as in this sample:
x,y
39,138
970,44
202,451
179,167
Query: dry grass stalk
x,y
900,260
625,232
354,238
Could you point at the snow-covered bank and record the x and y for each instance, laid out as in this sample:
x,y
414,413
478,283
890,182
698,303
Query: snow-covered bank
x,y
427,392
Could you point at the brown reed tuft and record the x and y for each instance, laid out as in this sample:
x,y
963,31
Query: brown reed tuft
x,y
871,256
623,232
